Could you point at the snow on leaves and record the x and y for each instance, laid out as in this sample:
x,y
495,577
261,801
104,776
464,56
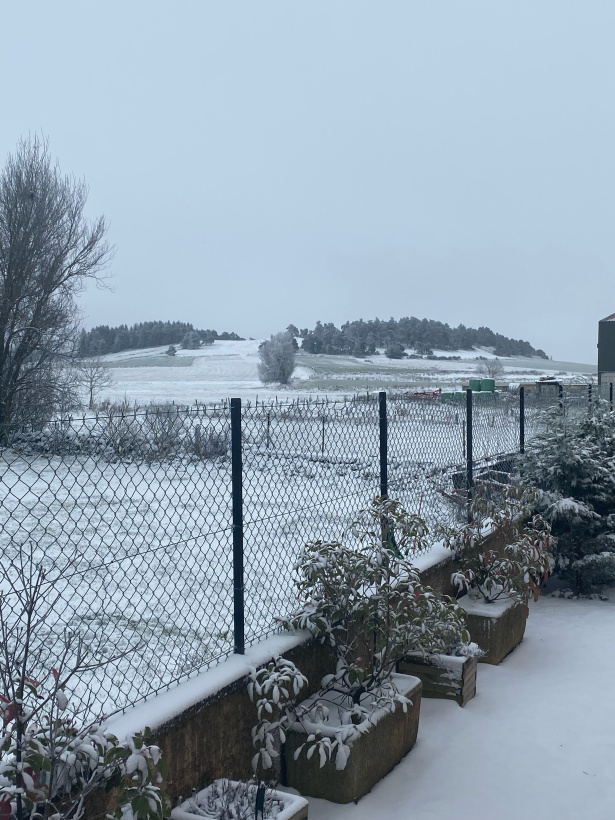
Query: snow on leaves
x,y
522,555
364,597
572,464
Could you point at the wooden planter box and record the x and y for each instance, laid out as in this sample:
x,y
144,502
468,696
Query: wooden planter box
x,y
372,756
295,807
443,676
497,628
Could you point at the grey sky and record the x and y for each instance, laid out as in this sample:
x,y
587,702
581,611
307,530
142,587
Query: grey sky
x,y
263,162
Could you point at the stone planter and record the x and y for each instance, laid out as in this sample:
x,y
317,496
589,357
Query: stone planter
x,y
294,807
372,756
497,627
443,676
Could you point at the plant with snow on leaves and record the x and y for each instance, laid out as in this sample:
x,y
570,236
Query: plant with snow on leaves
x,y
53,754
572,463
522,557
274,689
365,599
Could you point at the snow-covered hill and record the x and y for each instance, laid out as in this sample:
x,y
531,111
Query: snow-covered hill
x,y
227,369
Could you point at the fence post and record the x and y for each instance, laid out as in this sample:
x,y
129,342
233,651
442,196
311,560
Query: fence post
x,y
469,448
611,395
589,393
237,495
384,464
522,419
322,439
560,391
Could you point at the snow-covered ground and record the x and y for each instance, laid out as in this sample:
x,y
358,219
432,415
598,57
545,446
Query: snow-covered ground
x,y
227,369
537,741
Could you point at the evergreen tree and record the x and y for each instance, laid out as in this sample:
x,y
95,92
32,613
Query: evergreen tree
x,y
409,332
191,340
572,462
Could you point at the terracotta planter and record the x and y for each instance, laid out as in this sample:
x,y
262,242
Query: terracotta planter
x,y
295,807
372,756
497,627
443,676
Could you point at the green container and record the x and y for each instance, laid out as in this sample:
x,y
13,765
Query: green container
x,y
459,395
446,396
475,385
487,385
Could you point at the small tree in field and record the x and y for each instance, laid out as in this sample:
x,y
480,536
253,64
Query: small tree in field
x,y
93,376
491,369
191,340
277,359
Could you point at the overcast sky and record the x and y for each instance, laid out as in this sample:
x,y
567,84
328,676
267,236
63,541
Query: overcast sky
x,y
262,163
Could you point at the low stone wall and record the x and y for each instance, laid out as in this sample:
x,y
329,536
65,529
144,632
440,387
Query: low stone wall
x,y
211,737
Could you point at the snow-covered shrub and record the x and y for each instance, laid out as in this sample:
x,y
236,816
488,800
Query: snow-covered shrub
x,y
572,464
522,553
53,753
56,764
277,359
274,689
364,598
158,433
211,444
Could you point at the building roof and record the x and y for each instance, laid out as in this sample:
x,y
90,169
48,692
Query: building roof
x,y
610,318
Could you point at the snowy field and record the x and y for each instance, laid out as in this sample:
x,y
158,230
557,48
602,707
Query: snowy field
x,y
228,369
537,741
153,536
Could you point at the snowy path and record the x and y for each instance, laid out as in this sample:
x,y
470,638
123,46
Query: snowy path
x,y
537,741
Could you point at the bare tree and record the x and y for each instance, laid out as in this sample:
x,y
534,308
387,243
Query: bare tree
x,y
48,252
93,375
491,369
277,359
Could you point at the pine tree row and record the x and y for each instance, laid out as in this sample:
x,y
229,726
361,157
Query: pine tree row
x,y
360,338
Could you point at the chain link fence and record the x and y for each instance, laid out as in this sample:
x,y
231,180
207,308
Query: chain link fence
x,y
173,532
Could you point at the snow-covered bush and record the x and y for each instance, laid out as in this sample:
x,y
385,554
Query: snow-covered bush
x,y
572,464
277,359
158,433
53,753
274,689
364,598
521,555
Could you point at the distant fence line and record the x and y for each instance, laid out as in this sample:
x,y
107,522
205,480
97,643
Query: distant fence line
x,y
177,529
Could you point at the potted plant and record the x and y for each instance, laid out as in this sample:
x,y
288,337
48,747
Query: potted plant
x,y
364,597
240,800
273,688
505,552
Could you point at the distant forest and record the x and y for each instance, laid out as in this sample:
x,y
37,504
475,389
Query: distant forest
x,y
361,338
104,339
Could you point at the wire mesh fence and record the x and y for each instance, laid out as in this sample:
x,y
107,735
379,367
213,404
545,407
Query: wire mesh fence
x,y
308,467
172,530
